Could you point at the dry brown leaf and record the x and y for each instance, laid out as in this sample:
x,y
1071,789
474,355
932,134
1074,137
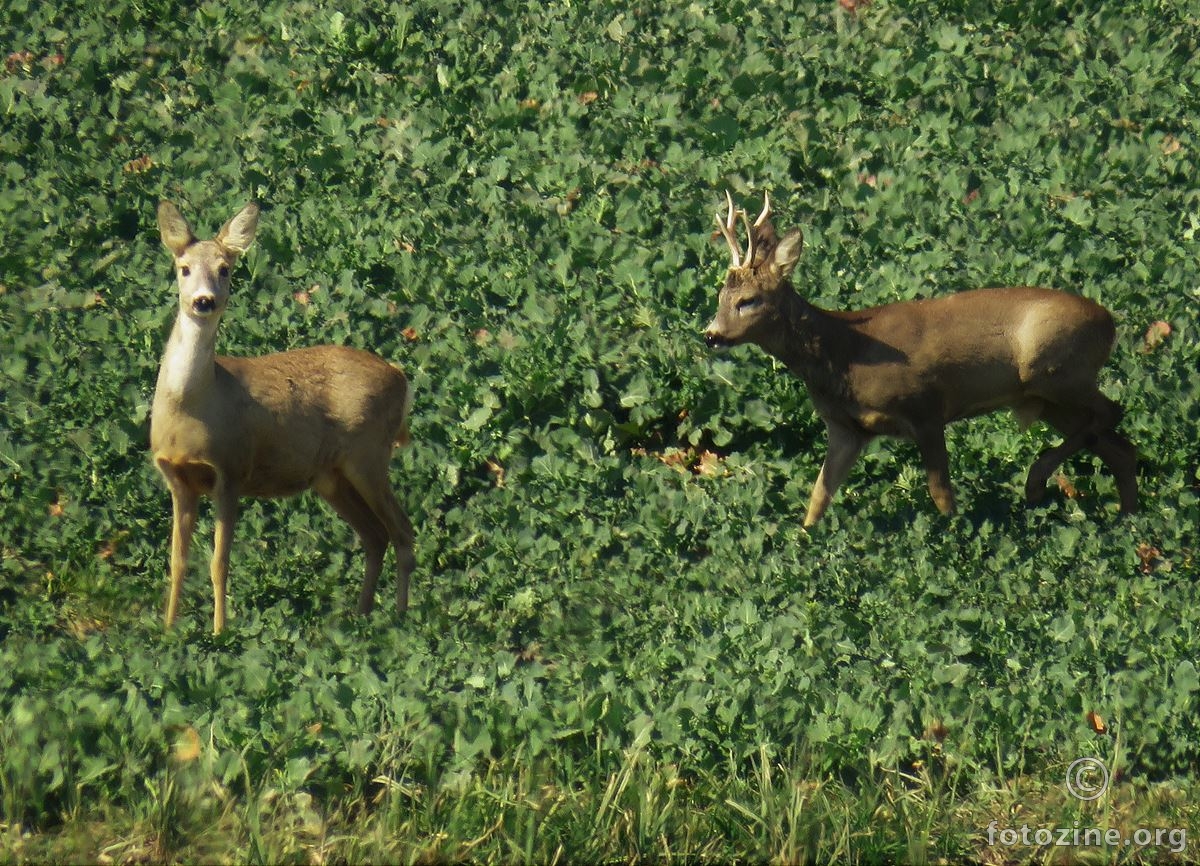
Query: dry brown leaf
x,y
1095,721
1065,485
187,747
19,60
139,165
709,464
1149,556
936,731
410,334
109,548
1155,334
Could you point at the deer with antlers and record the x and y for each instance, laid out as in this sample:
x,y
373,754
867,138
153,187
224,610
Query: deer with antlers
x,y
908,369
325,418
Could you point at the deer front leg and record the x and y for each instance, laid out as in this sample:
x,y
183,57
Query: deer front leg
x,y
932,444
225,503
844,447
184,505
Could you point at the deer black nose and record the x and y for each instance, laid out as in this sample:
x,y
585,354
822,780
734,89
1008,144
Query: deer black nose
x,y
714,340
204,304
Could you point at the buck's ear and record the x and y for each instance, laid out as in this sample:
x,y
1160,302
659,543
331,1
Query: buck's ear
x,y
787,253
237,234
174,229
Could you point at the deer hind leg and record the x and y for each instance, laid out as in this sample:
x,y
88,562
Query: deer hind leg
x,y
1089,427
932,445
225,500
1120,456
844,447
350,506
371,483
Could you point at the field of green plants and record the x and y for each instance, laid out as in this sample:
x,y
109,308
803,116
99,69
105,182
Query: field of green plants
x,y
622,646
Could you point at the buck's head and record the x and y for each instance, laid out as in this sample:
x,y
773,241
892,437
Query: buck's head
x,y
758,283
202,268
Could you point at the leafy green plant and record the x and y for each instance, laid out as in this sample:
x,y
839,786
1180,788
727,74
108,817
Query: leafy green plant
x,y
621,643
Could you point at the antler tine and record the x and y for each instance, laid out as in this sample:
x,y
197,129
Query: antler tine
x,y
766,211
728,228
749,238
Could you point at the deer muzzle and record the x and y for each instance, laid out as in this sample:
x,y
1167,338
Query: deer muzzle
x,y
715,341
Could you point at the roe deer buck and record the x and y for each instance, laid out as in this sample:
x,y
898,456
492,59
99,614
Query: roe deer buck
x,y
325,418
908,369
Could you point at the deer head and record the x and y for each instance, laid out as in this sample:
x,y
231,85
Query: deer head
x,y
202,268
758,283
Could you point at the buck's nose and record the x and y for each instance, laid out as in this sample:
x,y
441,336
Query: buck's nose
x,y
714,340
204,304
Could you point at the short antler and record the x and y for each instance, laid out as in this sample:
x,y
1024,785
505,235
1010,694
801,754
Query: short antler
x,y
762,230
728,228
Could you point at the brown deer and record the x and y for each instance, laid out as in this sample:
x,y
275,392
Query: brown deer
x,y
908,369
326,418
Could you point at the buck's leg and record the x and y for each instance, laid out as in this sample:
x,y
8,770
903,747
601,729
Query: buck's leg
x,y
1120,456
1096,435
184,506
372,485
349,505
844,447
225,502
931,443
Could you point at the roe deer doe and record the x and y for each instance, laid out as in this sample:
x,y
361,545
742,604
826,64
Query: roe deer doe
x,y
908,369
325,418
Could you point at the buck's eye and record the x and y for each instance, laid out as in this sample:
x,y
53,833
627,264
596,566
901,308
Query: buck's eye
x,y
223,271
185,271
747,304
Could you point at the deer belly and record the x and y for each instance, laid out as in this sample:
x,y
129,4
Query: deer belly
x,y
277,472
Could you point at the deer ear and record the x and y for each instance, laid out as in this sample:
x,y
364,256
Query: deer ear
x,y
237,234
174,229
787,253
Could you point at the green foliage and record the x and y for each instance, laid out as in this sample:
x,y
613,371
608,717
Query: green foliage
x,y
514,201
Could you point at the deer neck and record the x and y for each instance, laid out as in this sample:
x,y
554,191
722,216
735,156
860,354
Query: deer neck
x,y
188,368
808,342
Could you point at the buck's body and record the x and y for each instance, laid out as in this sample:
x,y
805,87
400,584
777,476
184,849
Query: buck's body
x,y
325,418
908,369
878,368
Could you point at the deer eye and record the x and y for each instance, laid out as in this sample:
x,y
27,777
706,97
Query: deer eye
x,y
223,271
185,271
746,304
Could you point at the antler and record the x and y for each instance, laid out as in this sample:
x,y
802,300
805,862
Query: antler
x,y
763,217
728,228
766,211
